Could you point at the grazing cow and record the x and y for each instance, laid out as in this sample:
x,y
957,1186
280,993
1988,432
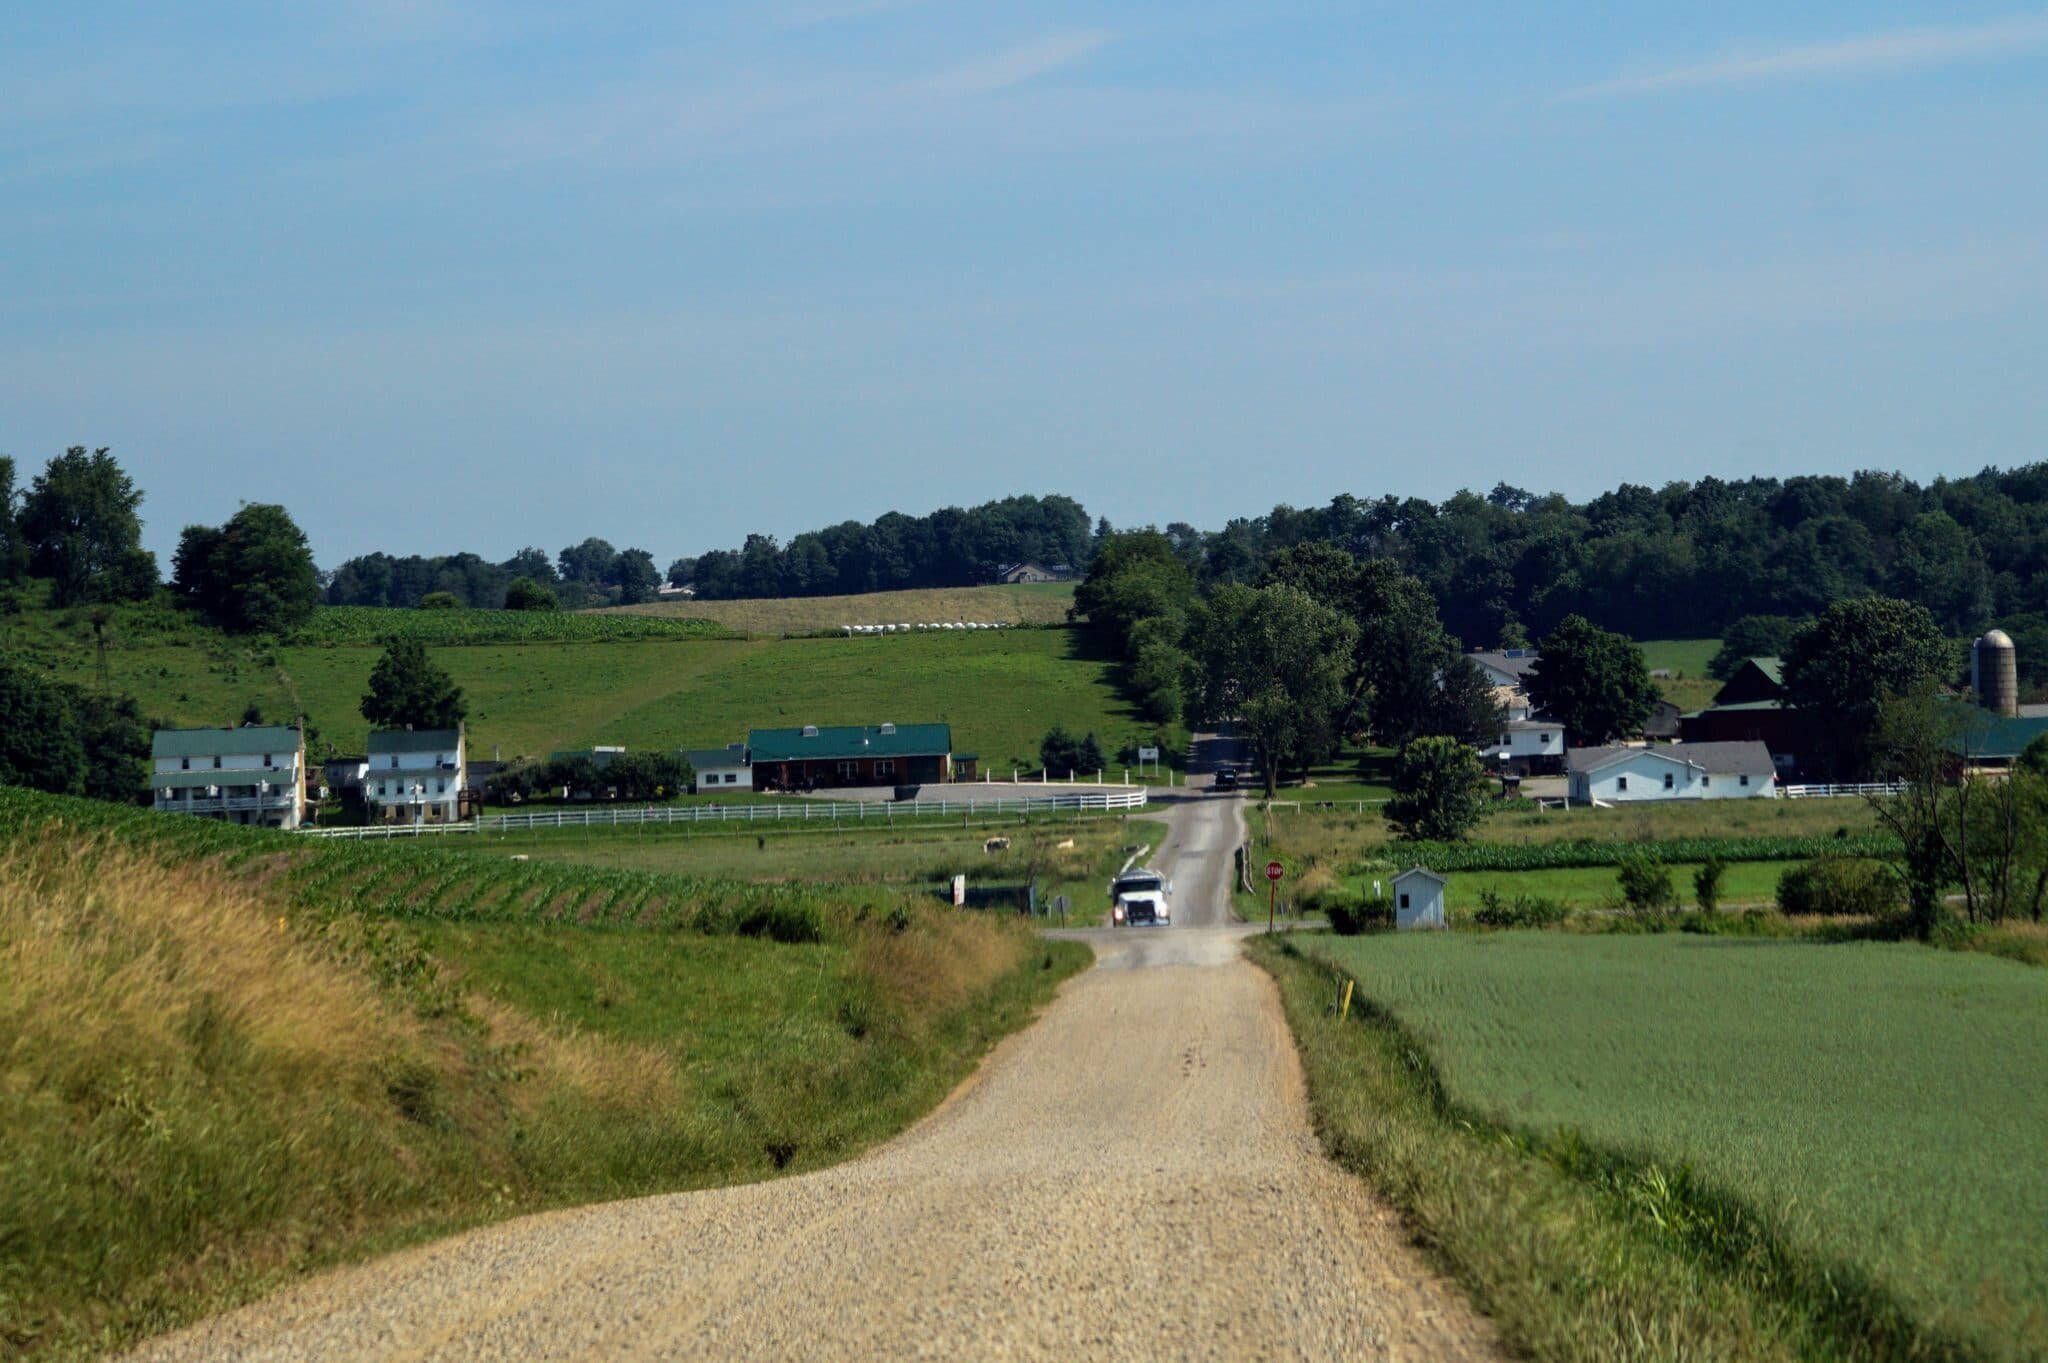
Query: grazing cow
x,y
994,845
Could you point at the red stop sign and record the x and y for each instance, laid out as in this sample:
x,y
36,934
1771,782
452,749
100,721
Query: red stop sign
x,y
1274,870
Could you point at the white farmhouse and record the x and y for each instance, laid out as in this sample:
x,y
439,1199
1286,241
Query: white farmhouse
x,y
1671,771
716,769
415,776
252,775
1529,746
1418,898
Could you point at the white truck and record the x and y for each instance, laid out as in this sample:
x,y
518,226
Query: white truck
x,y
1137,898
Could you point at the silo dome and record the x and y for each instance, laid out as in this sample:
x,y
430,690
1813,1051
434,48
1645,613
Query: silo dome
x,y
1995,638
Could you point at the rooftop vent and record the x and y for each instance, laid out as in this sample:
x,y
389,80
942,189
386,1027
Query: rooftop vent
x,y
888,729
810,731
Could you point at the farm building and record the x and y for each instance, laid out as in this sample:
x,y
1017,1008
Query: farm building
x,y
415,776
1529,747
1751,708
1419,898
1013,573
1676,771
716,769
813,758
1506,666
252,775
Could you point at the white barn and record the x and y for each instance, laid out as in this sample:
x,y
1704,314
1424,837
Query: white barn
x,y
1419,899
1672,771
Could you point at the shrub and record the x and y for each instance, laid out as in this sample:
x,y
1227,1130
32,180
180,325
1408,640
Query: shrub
x,y
440,601
1706,884
1523,911
1839,886
1645,883
1439,790
1350,916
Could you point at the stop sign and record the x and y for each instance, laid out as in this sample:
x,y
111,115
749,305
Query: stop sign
x,y
1274,870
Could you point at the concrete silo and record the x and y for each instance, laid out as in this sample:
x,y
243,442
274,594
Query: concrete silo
x,y
1995,673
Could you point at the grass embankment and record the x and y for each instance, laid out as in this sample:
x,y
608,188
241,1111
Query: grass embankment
x,y
220,1068
1680,1147
1000,690
1688,687
1043,603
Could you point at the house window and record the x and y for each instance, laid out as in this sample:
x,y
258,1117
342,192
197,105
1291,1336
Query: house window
x,y
1404,899
1706,781
270,759
440,787
1742,779
1670,779
1543,738
216,762
1621,783
886,768
394,761
732,778
848,770
1503,740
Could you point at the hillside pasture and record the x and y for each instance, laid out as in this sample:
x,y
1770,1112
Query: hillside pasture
x,y
1042,603
1861,1114
1688,687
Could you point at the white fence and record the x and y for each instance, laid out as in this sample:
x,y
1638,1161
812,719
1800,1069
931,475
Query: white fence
x,y
788,811
1840,792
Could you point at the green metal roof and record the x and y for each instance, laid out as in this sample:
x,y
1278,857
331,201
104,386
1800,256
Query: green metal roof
x,y
1742,706
700,758
1774,668
256,738
839,742
386,742
2000,736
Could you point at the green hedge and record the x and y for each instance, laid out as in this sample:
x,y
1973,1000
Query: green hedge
x,y
1557,856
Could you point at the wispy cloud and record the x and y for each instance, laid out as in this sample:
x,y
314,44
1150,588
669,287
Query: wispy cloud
x,y
1896,50
1012,66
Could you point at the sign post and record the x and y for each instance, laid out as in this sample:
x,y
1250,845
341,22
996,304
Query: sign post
x,y
1274,870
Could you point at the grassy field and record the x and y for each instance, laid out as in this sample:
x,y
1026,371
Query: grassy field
x,y
1001,690
228,1058
1042,603
1866,1162
1688,687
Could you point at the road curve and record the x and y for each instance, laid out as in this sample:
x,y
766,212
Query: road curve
x,y
1131,1177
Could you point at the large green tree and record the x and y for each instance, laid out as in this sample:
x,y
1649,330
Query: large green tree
x,y
1841,669
1273,660
83,531
253,575
1753,636
1439,790
13,548
525,594
1137,597
69,741
634,575
409,691
1592,681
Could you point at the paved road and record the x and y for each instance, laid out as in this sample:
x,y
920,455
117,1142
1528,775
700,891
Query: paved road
x,y
1133,1177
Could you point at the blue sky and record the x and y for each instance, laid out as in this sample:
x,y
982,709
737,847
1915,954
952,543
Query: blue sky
x,y
463,275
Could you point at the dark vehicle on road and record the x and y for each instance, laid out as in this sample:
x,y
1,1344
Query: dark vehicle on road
x,y
1226,778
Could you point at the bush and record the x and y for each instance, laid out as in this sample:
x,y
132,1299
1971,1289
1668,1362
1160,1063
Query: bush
x,y
1839,887
1645,883
440,601
1523,911
1351,915
1706,884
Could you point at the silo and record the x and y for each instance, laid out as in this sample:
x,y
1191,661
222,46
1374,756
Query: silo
x,y
1995,673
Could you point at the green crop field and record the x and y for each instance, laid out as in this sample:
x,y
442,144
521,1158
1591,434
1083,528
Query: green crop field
x,y
1876,1109
1001,690
1041,603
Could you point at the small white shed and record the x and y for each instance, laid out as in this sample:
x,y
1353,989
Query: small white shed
x,y
1418,899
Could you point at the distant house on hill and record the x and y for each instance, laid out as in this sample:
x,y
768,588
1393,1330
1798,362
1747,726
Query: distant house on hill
x,y
1675,771
1506,666
252,775
1014,573
1529,747
716,769
416,776
813,758
1751,708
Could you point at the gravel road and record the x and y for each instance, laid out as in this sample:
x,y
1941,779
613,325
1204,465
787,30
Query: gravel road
x,y
1131,1177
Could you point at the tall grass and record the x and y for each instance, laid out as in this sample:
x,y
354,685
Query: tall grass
x,y
222,1064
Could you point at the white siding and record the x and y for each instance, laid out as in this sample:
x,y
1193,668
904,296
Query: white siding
x,y
1418,901
711,780
1651,775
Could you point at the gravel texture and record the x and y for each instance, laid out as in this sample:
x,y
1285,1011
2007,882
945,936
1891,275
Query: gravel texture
x,y
1133,1177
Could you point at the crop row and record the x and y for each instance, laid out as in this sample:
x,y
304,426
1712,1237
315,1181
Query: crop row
x,y
1554,856
411,881
341,626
